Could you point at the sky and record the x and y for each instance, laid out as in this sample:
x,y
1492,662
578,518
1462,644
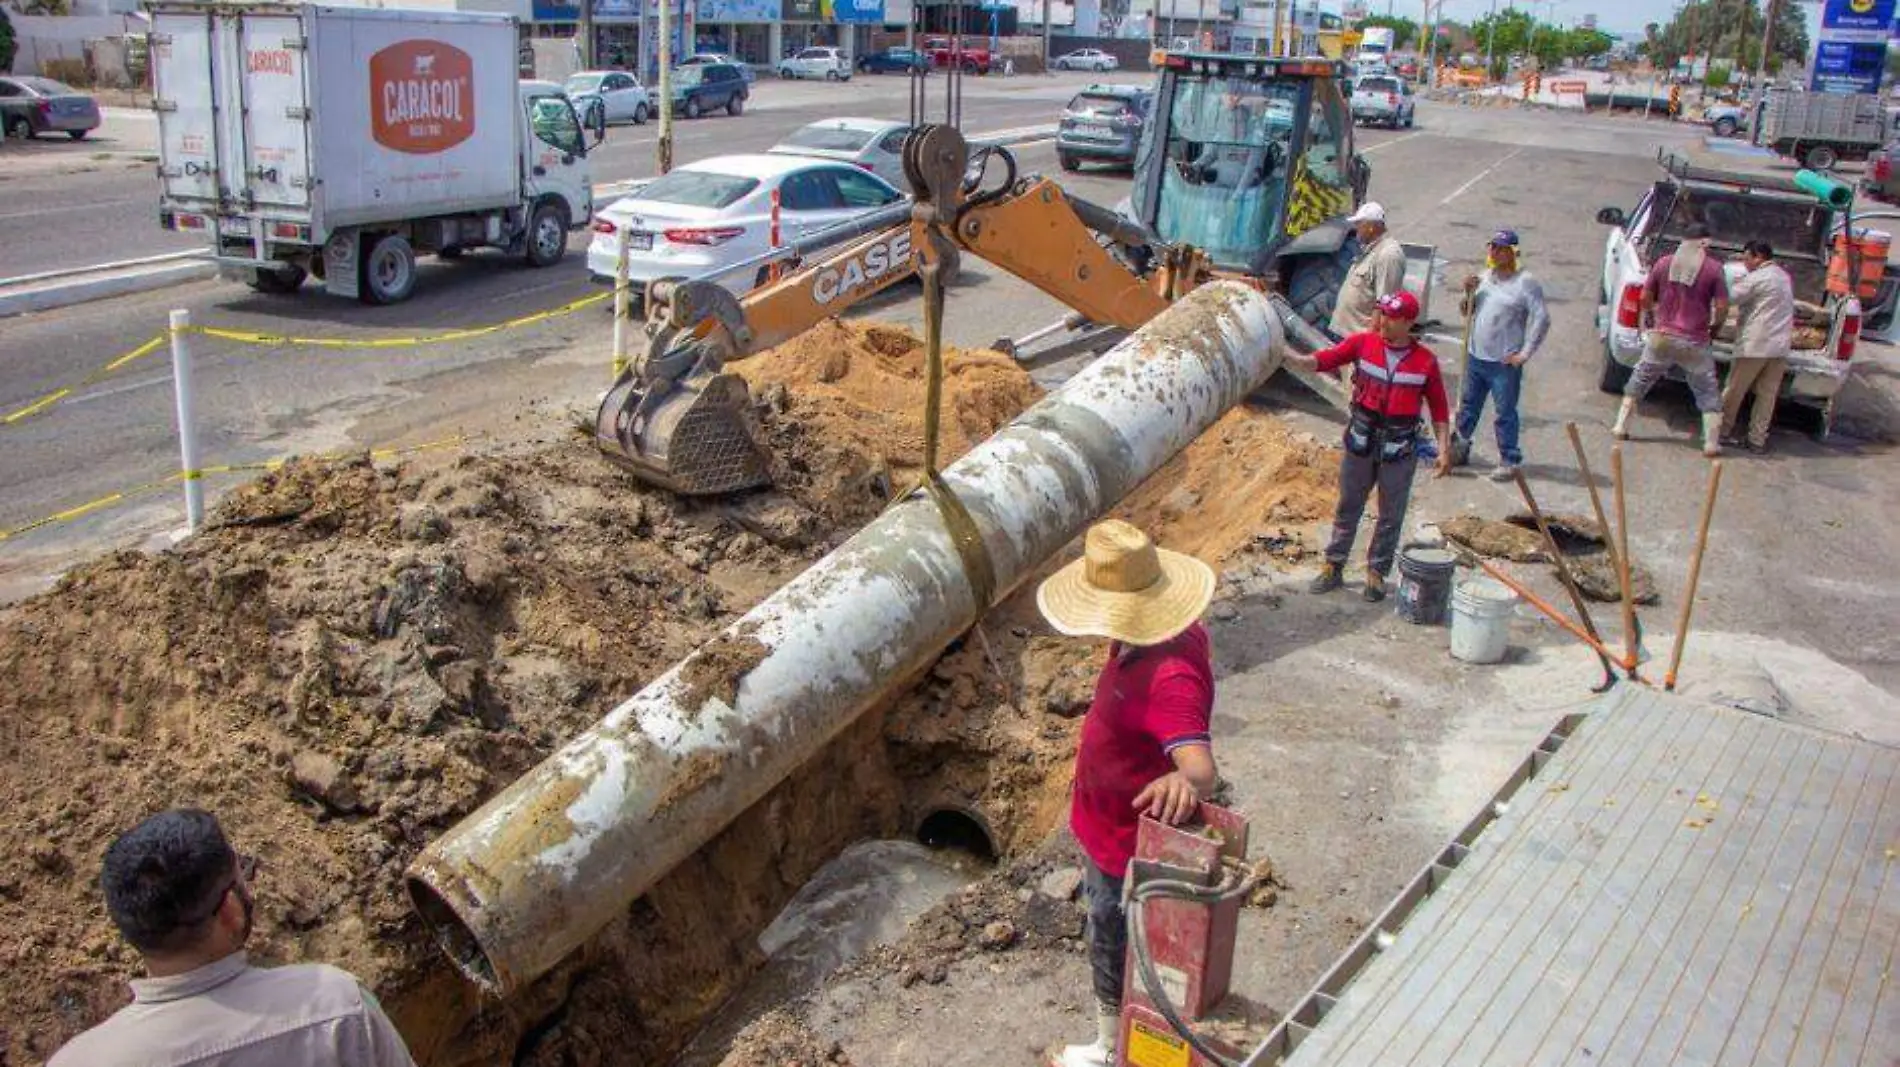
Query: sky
x,y
1613,16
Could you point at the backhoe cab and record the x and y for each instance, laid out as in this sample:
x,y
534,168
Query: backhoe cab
x,y
1250,160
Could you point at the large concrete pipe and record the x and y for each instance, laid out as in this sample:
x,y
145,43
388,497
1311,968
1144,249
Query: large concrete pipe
x,y
552,859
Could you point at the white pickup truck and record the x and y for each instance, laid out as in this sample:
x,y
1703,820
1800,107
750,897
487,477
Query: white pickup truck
x,y
1738,206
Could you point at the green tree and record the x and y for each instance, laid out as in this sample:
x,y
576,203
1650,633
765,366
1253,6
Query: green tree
x,y
1731,29
1404,31
7,44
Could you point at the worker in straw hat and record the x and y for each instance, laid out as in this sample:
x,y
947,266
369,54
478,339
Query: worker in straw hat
x,y
1145,748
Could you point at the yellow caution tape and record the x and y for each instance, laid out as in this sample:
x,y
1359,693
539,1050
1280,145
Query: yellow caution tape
x,y
255,337
124,495
58,395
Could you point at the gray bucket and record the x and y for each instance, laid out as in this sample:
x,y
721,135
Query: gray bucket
x,y
1425,575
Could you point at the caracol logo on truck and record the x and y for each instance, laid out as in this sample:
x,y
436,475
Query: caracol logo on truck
x,y
421,96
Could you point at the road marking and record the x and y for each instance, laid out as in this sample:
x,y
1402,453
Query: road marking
x,y
92,206
1478,177
1369,149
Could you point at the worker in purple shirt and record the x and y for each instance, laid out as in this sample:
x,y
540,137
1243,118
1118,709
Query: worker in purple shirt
x,y
1684,300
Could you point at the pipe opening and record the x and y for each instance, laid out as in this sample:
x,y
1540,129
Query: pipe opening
x,y
456,939
955,828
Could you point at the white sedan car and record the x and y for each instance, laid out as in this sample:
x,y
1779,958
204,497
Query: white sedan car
x,y
1086,59
827,63
623,98
717,212
876,145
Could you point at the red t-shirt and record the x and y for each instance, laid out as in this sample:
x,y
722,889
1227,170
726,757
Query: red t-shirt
x,y
1148,702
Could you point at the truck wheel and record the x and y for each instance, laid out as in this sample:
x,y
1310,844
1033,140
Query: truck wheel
x,y
1615,375
1821,157
639,114
547,235
389,270
1726,127
692,107
735,106
1068,161
279,282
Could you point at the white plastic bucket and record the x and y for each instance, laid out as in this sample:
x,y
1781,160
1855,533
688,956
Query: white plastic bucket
x,y
1481,610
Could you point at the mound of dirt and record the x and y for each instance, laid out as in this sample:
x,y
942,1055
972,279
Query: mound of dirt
x,y
355,655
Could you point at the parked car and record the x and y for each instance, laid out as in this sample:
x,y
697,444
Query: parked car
x,y
876,145
717,212
893,61
33,106
709,87
619,96
704,58
827,63
1728,120
1102,122
974,59
1740,202
1383,98
1086,59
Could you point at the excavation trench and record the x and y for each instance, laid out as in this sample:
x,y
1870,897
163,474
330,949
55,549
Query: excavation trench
x,y
356,655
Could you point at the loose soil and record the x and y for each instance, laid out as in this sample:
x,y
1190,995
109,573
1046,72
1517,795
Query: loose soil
x,y
355,655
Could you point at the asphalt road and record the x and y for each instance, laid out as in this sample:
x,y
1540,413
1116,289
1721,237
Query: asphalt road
x,y
74,204
1801,549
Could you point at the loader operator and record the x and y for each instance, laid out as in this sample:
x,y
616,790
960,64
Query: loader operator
x,y
1145,748
1394,379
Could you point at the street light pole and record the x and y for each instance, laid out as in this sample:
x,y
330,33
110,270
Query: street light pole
x,y
1490,40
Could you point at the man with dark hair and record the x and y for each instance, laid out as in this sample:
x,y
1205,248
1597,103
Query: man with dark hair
x,y
181,895
1764,301
1684,299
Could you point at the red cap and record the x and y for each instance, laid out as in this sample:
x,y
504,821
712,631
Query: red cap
x,y
1400,305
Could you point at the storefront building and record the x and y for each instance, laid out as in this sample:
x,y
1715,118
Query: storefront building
x,y
742,29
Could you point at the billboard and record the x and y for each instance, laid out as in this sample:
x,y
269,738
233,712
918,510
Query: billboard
x,y
871,11
1869,20
1848,67
738,10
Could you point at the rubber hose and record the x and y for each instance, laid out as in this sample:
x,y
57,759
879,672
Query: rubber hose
x,y
1144,966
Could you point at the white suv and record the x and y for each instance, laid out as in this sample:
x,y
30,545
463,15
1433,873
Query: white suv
x,y
827,63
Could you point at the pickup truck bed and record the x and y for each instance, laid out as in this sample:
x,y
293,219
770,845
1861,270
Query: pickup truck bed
x,y
1667,883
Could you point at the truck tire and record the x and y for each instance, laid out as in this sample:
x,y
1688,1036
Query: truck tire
x,y
279,282
1313,284
692,107
1068,161
547,235
389,270
1820,157
1615,375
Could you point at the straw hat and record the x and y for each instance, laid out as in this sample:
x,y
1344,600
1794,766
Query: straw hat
x,y
1125,588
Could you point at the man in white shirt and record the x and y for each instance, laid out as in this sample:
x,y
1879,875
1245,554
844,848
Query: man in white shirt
x,y
1764,299
1376,274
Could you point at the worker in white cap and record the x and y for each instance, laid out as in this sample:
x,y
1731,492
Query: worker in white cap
x,y
1376,274
1145,747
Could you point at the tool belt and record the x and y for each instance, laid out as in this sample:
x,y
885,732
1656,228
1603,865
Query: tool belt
x,y
1388,440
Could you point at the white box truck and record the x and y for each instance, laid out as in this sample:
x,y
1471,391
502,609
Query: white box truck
x,y
341,143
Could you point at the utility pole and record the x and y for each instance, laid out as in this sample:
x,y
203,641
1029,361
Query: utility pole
x,y
1045,35
1490,40
665,145
1279,20
1761,73
587,34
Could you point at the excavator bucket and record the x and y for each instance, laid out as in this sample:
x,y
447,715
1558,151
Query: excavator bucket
x,y
695,435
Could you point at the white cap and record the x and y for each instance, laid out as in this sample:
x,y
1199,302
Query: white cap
x,y
1370,211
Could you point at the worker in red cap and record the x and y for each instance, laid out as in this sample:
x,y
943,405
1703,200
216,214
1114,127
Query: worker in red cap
x,y
1394,379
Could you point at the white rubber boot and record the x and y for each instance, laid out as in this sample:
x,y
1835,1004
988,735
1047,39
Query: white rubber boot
x,y
1620,429
1712,433
1101,1051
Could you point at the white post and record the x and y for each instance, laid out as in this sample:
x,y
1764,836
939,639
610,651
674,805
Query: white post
x,y
187,433
621,286
665,145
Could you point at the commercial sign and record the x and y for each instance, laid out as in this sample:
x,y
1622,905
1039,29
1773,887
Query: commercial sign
x,y
1869,20
801,11
1848,66
853,10
605,10
420,96
738,10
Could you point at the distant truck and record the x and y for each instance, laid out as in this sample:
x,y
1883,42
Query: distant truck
x,y
341,143
1375,49
945,52
1821,129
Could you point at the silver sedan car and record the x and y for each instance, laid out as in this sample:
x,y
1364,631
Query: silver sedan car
x,y
876,145
30,106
